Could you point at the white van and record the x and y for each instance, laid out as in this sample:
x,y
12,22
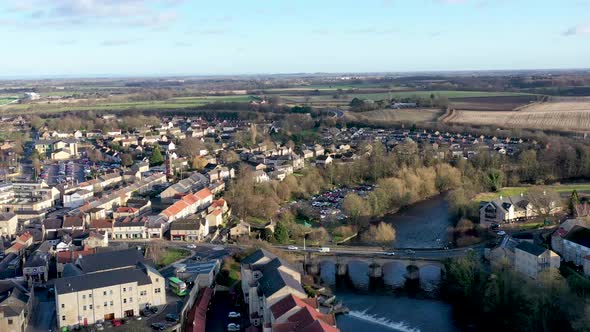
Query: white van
x,y
324,249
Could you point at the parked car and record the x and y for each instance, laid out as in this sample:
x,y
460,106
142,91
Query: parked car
x,y
117,322
191,246
99,327
159,326
172,318
292,248
501,233
390,253
234,314
233,327
410,252
154,309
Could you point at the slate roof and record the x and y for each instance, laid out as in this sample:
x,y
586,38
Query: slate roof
x,y
14,304
110,260
579,235
52,223
531,248
254,257
101,279
274,280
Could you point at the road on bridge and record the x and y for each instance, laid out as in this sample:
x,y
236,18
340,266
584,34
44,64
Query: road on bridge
x,y
426,254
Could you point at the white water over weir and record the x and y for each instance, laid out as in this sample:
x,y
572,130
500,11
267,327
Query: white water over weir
x,y
374,319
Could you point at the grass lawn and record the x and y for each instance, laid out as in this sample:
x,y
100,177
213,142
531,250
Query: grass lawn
x,y
230,273
562,189
170,256
254,221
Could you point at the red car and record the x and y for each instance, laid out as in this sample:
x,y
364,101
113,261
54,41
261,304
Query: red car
x,y
117,322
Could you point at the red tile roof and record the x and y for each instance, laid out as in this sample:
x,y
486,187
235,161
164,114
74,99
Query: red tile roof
x,y
101,223
65,257
198,314
127,209
190,199
203,193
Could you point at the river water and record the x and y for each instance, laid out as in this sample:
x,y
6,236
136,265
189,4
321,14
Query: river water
x,y
384,307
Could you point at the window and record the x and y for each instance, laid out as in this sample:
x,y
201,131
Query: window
x,y
157,279
111,303
90,307
130,288
130,300
63,305
84,308
143,293
63,317
104,293
124,300
84,297
124,289
157,290
9,321
90,295
105,304
110,292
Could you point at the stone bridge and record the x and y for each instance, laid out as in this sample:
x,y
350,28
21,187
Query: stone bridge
x,y
398,268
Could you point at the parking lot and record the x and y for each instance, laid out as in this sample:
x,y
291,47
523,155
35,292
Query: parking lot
x,y
327,206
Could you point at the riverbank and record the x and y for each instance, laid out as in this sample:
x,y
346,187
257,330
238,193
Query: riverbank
x,y
423,224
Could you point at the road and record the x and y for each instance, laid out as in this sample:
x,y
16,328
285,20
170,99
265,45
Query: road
x,y
426,254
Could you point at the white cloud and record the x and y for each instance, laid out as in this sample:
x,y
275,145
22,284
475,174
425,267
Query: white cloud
x,y
125,12
580,29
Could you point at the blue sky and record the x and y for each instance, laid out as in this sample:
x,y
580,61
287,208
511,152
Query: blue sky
x,y
187,37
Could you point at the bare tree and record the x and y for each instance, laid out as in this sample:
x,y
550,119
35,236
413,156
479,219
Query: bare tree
x,y
544,201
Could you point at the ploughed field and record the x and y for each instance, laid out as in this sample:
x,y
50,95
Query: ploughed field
x,y
497,103
561,115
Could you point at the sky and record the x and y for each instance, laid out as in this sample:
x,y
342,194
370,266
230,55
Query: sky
x,y
44,38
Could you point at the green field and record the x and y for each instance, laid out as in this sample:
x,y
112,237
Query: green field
x,y
172,103
563,190
6,100
170,256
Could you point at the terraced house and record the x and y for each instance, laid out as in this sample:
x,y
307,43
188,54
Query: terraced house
x,y
107,286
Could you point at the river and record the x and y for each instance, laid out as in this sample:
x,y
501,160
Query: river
x,y
381,308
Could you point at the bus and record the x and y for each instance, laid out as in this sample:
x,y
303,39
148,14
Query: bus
x,y
177,286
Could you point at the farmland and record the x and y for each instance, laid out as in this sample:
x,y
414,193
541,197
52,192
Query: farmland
x,y
391,116
559,116
92,105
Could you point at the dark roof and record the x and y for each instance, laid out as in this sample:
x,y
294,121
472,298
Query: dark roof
x,y
531,248
37,259
52,223
110,260
254,257
185,225
274,280
14,304
71,270
101,279
579,235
